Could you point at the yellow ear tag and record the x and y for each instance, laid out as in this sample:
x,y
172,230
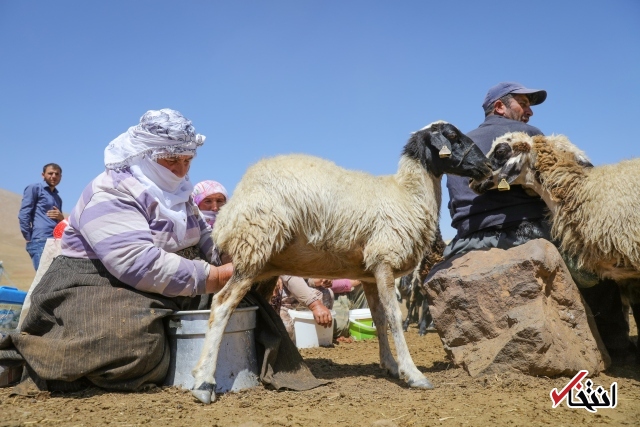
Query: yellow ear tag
x,y
445,152
504,185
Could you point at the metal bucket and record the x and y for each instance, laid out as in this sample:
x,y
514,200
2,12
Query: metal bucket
x,y
237,366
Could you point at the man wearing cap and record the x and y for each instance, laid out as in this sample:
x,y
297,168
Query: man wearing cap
x,y
497,219
507,219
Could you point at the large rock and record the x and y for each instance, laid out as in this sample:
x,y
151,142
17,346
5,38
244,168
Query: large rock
x,y
498,310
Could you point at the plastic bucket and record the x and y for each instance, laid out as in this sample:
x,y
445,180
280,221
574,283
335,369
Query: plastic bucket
x,y
361,325
307,332
362,331
237,365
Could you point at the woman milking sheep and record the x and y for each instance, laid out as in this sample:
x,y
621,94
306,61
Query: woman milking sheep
x,y
96,317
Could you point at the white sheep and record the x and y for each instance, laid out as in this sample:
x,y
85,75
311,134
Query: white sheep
x,y
305,216
595,211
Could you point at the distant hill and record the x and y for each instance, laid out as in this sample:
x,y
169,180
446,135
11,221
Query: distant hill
x,y
17,263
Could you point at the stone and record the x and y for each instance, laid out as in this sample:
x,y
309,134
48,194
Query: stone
x,y
497,310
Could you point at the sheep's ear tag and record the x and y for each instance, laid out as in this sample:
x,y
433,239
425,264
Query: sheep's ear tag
x,y
504,185
444,152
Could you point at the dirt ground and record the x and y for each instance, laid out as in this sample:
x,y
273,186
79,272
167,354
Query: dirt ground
x,y
359,394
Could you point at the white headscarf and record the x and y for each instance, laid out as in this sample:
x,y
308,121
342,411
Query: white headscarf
x,y
160,134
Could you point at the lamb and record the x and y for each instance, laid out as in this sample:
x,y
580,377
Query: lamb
x,y
305,216
595,211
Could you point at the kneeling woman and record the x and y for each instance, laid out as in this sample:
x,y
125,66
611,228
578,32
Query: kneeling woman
x,y
96,316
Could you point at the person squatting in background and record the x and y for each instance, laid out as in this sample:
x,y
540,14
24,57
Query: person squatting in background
x,y
295,293
320,296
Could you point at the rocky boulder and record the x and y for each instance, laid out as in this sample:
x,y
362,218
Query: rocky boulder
x,y
499,310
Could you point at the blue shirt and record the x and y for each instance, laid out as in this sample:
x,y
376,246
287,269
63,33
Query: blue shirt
x,y
471,212
36,201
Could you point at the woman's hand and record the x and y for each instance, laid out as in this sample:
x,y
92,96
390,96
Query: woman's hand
x,y
321,314
218,277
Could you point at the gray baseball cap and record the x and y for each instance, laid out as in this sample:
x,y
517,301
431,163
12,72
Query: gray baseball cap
x,y
536,96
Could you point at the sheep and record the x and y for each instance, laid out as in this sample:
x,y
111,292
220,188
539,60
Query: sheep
x,y
403,293
305,216
594,211
417,307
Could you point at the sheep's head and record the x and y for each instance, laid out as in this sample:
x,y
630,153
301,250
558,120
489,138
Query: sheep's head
x,y
441,148
516,160
511,161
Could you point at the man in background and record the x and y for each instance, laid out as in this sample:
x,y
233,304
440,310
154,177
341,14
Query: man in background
x,y
40,211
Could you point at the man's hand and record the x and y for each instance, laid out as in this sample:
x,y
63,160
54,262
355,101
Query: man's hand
x,y
55,214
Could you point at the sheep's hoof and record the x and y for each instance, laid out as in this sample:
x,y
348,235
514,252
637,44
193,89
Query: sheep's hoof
x,y
392,371
422,383
393,374
205,393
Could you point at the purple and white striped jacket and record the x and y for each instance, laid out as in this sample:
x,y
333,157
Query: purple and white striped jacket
x,y
116,221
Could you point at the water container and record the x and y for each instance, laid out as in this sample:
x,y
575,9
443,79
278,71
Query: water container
x,y
11,300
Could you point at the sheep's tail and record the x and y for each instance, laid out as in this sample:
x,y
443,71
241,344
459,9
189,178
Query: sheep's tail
x,y
251,234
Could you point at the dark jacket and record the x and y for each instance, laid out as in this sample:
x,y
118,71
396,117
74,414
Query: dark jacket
x,y
471,212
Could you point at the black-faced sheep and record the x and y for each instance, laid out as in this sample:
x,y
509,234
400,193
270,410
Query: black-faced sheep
x,y
595,211
305,216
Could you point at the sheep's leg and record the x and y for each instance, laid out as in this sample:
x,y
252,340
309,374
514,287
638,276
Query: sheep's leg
x,y
407,321
223,304
425,318
406,368
411,310
387,360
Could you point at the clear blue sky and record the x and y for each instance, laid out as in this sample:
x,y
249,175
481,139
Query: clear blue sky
x,y
344,80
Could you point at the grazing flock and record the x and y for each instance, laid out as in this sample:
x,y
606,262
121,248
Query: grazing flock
x,y
595,211
306,216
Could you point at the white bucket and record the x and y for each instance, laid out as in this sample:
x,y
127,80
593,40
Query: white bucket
x,y
237,366
308,333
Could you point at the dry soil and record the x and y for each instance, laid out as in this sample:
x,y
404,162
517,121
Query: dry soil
x,y
359,394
